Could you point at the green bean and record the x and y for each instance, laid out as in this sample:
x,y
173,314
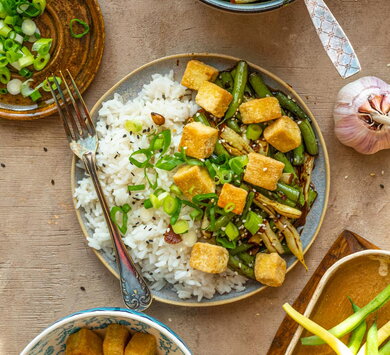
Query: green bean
x,y
248,259
309,137
240,80
290,105
218,82
248,204
357,335
236,264
241,248
288,168
291,192
227,81
232,123
312,197
259,86
286,202
372,340
219,148
299,157
222,221
248,92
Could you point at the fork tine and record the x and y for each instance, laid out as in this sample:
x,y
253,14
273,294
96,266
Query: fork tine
x,y
69,116
80,118
68,131
86,112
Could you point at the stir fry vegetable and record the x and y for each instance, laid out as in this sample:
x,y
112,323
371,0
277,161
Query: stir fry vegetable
x,y
242,173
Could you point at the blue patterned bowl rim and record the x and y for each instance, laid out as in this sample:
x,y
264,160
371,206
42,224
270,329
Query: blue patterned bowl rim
x,y
111,311
247,8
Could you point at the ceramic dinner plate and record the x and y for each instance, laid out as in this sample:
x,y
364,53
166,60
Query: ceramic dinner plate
x,y
81,56
129,88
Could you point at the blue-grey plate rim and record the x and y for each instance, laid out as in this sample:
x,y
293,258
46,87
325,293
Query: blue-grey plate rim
x,y
251,8
108,311
321,173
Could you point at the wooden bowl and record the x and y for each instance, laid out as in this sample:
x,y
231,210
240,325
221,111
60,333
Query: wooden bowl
x,y
360,276
81,56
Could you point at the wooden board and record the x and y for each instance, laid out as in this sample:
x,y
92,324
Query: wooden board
x,y
347,243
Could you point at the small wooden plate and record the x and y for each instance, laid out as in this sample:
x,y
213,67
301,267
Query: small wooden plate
x,y
81,56
347,243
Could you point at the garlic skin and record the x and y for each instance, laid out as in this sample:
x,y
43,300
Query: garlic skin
x,y
362,115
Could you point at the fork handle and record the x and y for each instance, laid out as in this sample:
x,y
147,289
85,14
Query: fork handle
x,y
135,291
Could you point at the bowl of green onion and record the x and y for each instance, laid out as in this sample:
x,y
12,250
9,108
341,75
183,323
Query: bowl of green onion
x,y
247,6
38,39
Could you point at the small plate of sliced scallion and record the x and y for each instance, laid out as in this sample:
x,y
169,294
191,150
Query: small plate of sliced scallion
x,y
41,37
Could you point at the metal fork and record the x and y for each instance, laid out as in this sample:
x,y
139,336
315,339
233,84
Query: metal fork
x,y
83,141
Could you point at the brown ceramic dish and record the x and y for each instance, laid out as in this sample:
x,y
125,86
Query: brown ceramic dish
x,y
360,276
81,56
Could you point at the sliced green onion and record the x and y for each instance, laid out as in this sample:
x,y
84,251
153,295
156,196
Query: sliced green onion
x,y
198,199
41,61
253,222
170,205
161,141
29,27
81,23
148,203
156,203
8,44
3,61
175,189
180,227
26,61
253,132
45,84
3,91
176,214
136,187
211,213
42,46
26,73
195,213
4,29
25,89
11,20
229,207
13,56
35,95
28,9
141,164
124,210
237,164
41,4
354,320
14,86
232,231
339,347
16,37
133,126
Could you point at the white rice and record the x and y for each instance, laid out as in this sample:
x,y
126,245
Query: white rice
x,y
161,263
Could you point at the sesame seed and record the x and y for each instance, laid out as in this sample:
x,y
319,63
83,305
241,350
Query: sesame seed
x,y
265,169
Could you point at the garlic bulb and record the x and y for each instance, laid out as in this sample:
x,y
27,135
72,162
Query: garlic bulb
x,y
362,115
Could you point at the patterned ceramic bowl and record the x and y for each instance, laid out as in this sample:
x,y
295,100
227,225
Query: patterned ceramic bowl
x,y
247,8
52,340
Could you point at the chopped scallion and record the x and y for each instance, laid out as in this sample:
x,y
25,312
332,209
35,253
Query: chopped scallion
x,y
83,24
253,222
232,231
180,227
136,187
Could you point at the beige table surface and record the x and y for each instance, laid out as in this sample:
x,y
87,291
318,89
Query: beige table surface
x,y
44,260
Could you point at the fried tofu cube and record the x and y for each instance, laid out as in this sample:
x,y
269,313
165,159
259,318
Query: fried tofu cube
x,y
196,73
263,171
115,340
260,110
270,269
84,342
213,99
198,140
141,344
194,180
209,258
283,134
232,195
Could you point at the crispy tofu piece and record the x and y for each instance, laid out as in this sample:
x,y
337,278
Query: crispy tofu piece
x,y
198,140
196,73
115,340
263,171
213,99
84,342
270,269
209,258
283,134
260,110
194,180
231,194
141,344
